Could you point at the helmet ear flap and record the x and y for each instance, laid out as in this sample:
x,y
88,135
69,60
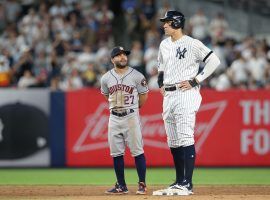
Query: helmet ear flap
x,y
175,25
178,23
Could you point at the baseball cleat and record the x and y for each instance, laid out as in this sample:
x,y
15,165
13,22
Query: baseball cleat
x,y
142,188
181,189
182,186
174,185
118,189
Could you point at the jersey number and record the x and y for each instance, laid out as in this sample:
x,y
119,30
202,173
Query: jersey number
x,y
129,100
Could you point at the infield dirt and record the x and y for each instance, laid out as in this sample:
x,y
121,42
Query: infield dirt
x,y
88,192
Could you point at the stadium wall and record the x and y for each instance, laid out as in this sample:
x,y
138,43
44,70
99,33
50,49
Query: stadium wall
x,y
39,128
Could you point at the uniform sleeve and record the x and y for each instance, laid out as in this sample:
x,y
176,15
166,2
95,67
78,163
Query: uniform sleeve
x,y
104,88
201,51
160,61
142,86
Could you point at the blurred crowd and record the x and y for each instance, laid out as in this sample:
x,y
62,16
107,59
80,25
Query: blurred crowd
x,y
65,44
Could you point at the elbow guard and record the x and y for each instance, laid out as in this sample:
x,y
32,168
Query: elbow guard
x,y
160,79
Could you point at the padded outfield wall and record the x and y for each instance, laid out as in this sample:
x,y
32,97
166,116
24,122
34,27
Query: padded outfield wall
x,y
70,129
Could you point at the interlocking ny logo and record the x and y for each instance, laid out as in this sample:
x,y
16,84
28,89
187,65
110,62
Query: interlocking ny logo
x,y
180,54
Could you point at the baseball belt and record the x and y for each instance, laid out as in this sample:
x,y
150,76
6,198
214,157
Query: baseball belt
x,y
122,114
173,88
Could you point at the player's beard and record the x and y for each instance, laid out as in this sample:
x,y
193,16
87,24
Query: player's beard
x,y
120,64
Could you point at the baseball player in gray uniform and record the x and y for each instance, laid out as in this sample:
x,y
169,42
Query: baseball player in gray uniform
x,y
126,90
178,65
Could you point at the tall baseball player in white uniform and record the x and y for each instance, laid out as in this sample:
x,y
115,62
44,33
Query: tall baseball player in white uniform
x,y
178,65
126,90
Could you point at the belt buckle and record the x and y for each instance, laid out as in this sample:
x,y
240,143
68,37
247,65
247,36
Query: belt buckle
x,y
171,88
122,114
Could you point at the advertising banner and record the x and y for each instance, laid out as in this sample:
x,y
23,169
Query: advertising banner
x,y
232,129
24,128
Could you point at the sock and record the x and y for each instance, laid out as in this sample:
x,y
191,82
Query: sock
x,y
141,167
118,164
190,155
179,164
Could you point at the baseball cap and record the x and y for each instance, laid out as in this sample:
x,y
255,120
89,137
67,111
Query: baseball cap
x,y
118,50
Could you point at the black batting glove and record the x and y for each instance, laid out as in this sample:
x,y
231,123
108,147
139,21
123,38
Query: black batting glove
x,y
193,82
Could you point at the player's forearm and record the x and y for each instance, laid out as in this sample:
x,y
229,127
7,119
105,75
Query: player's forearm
x,y
210,66
142,99
160,78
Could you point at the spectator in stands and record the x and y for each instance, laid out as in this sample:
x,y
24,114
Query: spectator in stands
x,y
104,19
219,27
219,51
76,43
60,46
150,57
52,39
27,80
136,57
257,66
72,81
89,75
221,82
229,51
58,8
199,26
25,63
4,71
13,10
151,36
267,76
238,72
2,17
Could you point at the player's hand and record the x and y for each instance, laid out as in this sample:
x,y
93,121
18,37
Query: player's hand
x,y
162,91
184,86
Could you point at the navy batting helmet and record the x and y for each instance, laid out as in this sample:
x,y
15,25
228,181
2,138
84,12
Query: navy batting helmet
x,y
177,18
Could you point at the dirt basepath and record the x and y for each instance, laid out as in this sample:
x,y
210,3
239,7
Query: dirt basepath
x,y
97,192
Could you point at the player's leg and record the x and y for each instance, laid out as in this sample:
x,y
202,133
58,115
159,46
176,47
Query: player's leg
x,y
185,129
117,150
176,150
190,156
119,166
173,142
140,163
135,143
178,158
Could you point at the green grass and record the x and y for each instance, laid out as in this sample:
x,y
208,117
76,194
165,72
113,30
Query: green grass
x,y
164,176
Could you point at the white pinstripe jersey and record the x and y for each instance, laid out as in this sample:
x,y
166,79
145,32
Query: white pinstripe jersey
x,y
180,60
123,89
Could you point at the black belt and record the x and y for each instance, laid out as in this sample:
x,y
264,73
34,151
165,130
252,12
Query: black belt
x,y
170,88
122,114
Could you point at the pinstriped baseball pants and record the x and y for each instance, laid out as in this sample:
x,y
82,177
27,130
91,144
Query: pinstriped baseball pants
x,y
179,115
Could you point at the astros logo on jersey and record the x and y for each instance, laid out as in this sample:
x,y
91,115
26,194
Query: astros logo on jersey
x,y
143,82
180,54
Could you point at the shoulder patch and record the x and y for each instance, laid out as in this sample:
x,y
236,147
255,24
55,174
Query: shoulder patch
x,y
143,82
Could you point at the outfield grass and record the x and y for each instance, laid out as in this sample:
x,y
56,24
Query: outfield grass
x,y
155,176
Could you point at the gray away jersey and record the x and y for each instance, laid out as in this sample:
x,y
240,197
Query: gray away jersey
x,y
123,90
180,60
